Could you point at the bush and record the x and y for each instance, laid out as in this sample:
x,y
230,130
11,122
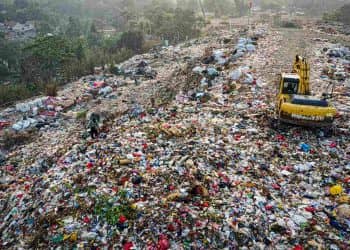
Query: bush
x,y
51,89
81,116
150,44
290,25
340,15
11,139
19,91
132,40
15,92
343,14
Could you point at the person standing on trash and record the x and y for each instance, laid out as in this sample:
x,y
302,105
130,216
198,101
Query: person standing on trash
x,y
93,125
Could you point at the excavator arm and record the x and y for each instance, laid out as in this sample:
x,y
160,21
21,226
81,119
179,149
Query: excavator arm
x,y
302,68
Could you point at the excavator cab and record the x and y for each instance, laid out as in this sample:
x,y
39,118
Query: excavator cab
x,y
289,84
296,105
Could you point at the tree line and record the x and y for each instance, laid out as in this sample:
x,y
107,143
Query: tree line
x,y
72,45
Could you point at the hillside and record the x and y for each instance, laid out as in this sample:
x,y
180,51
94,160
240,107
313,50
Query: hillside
x,y
189,155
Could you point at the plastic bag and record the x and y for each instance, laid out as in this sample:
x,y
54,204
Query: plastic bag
x,y
250,48
248,79
198,70
105,91
212,72
237,74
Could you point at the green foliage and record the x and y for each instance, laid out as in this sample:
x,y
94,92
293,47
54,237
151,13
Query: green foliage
x,y
162,4
45,57
78,43
80,48
18,91
73,27
220,7
132,40
81,115
21,4
188,4
53,49
340,15
289,24
226,7
174,25
93,37
271,4
4,71
242,7
111,42
9,57
110,208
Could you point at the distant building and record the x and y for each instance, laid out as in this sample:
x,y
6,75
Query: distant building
x,y
108,31
25,31
18,31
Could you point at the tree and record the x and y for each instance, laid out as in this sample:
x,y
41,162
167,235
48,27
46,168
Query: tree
x,y
202,8
45,57
125,15
144,25
187,4
343,14
173,24
271,4
241,7
9,57
164,4
73,28
93,36
21,4
186,24
219,7
80,49
132,40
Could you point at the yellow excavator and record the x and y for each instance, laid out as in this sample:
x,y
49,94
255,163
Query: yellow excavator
x,y
296,105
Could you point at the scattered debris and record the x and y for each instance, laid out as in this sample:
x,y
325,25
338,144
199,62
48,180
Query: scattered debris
x,y
186,158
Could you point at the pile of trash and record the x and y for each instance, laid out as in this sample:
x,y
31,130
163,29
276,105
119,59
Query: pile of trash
x,y
207,171
243,75
37,113
339,51
211,67
337,67
137,67
244,45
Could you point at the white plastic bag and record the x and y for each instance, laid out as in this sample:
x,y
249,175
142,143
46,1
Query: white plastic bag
x,y
235,75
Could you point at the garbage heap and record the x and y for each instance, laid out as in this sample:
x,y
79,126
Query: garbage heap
x,y
206,171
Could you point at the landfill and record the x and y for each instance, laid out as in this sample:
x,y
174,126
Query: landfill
x,y
188,156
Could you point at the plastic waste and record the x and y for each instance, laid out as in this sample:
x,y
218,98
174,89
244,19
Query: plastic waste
x,y
24,124
248,79
198,69
2,157
304,167
235,75
250,48
179,164
305,147
105,91
212,72
336,190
